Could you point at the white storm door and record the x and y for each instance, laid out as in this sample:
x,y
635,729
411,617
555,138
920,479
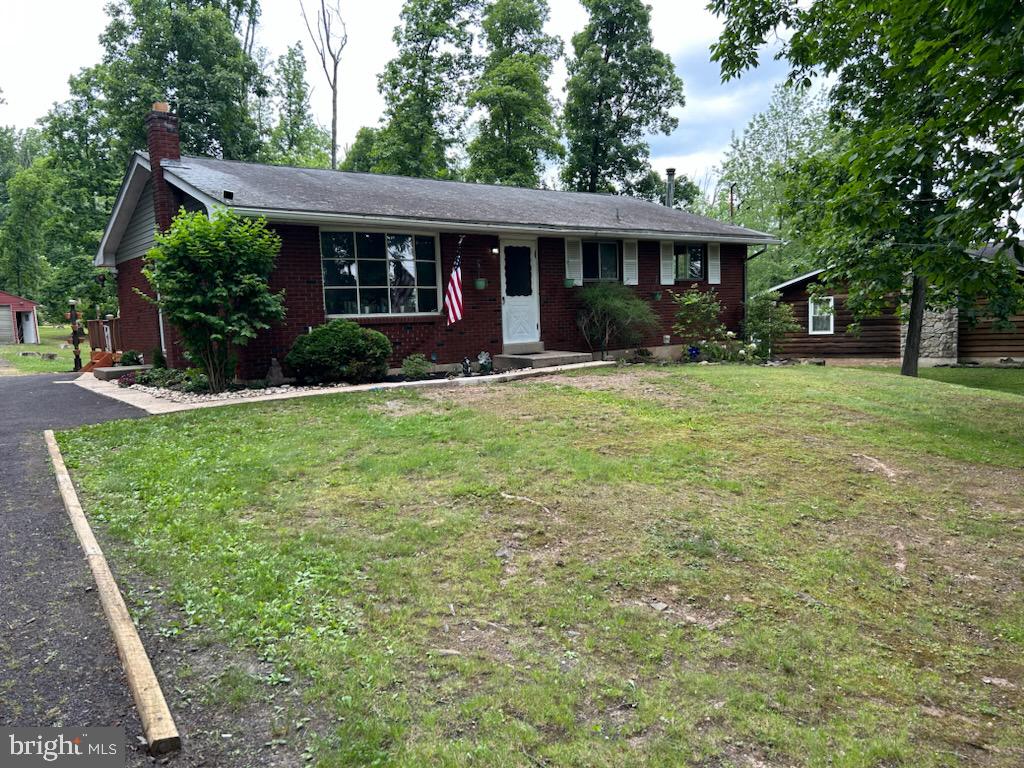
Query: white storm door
x,y
520,300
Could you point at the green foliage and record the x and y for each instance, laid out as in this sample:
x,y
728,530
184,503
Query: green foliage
x,y
185,52
131,357
768,320
416,366
362,154
653,187
340,350
425,86
698,317
620,89
158,358
757,167
296,139
23,233
211,276
517,133
181,380
612,314
923,95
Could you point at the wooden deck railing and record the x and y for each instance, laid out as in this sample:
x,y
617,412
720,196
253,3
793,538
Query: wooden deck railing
x,y
105,335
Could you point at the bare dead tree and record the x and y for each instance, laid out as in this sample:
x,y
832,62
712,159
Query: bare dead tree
x,y
329,40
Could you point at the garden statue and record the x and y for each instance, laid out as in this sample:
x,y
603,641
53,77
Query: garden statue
x,y
486,364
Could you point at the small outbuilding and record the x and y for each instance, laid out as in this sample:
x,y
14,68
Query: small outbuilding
x,y
19,321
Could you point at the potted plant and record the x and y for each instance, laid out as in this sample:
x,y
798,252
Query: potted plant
x,y
480,283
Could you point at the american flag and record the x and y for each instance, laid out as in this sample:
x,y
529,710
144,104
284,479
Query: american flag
x,y
453,295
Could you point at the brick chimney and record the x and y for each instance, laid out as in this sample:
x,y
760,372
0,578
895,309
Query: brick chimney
x,y
163,144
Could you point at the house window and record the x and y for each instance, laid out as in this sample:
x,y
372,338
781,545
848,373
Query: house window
x,y
600,261
820,315
691,261
379,273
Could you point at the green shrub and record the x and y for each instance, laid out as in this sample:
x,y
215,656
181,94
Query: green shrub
x,y
416,366
340,351
698,318
159,361
131,357
768,322
611,313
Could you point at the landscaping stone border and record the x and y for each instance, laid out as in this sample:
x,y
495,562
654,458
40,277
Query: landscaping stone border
x,y
140,398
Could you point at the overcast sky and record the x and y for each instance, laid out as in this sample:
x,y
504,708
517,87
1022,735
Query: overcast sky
x,y
34,68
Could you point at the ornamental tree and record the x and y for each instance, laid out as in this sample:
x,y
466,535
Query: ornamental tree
x,y
928,97
210,275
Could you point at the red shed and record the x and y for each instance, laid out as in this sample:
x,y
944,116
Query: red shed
x,y
18,321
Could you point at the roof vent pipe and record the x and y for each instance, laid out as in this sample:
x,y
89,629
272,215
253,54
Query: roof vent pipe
x,y
670,187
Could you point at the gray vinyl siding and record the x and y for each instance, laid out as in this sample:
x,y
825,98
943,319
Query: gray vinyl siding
x,y
138,237
6,324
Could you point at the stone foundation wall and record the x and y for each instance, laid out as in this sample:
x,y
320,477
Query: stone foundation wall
x,y
939,335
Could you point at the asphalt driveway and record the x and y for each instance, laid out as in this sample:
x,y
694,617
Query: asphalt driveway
x,y
58,663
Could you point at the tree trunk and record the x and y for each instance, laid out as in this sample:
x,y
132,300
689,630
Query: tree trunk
x,y
334,119
912,347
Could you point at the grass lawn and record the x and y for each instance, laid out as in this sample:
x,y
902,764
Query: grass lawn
x,y
51,337
1001,379
704,566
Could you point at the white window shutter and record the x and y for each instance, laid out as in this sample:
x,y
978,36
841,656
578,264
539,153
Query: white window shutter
x,y
714,263
668,263
630,264
574,260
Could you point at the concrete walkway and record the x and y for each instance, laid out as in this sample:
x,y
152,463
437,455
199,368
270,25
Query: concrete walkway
x,y
157,405
58,664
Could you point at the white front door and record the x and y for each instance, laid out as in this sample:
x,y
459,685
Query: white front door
x,y
520,300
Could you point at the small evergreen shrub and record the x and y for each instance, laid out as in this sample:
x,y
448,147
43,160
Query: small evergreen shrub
x,y
416,366
340,351
612,314
159,361
131,357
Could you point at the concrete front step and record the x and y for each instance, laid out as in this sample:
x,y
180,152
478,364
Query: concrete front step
x,y
540,359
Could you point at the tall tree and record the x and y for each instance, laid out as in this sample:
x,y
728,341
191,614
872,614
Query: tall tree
x,y
928,97
425,86
620,88
753,179
23,235
517,133
362,154
296,139
654,187
329,40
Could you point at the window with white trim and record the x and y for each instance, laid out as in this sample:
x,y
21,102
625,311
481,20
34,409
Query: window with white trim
x,y
691,261
379,273
821,315
600,261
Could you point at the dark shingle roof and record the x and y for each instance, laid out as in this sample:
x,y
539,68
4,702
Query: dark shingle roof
x,y
314,191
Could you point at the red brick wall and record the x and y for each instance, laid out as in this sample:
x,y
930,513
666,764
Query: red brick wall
x,y
559,305
298,273
139,319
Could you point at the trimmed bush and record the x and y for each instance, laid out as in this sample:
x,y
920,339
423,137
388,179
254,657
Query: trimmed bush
x,y
416,366
612,314
131,357
340,351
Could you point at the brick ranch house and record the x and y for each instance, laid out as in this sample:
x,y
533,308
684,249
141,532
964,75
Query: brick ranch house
x,y
946,338
379,249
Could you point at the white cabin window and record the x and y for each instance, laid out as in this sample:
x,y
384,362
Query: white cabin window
x,y
821,316
379,273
